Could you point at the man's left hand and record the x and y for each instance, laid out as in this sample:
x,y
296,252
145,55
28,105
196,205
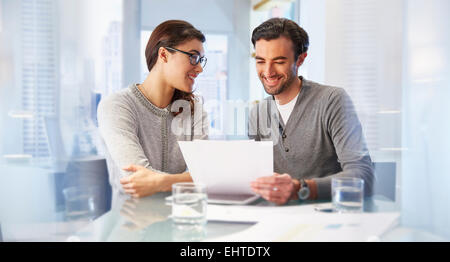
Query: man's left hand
x,y
277,188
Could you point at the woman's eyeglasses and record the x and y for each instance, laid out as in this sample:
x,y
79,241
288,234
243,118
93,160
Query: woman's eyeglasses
x,y
194,59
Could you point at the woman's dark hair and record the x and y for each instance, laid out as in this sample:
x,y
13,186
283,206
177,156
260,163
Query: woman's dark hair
x,y
170,34
276,27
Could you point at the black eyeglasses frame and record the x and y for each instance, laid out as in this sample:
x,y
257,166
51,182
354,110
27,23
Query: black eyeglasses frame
x,y
194,59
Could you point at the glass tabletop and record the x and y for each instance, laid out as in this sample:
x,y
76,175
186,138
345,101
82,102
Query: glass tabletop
x,y
148,219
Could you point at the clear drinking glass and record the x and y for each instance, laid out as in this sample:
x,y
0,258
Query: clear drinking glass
x,y
189,203
80,203
347,194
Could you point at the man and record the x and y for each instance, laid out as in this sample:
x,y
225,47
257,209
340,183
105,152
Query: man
x,y
315,129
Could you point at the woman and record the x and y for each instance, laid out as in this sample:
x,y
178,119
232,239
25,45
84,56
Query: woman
x,y
138,123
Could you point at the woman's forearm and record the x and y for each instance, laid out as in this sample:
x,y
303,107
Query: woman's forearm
x,y
169,180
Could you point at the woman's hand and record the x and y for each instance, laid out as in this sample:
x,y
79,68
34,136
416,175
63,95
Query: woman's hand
x,y
143,182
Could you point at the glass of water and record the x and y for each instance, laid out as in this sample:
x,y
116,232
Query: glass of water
x,y
189,203
347,194
80,203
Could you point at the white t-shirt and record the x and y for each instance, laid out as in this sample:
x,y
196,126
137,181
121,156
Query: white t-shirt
x,y
286,109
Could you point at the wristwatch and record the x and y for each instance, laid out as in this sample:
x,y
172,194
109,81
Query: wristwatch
x,y
304,191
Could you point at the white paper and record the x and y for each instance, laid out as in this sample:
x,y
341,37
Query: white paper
x,y
228,167
317,227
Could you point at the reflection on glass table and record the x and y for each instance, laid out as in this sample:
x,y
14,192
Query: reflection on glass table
x,y
148,219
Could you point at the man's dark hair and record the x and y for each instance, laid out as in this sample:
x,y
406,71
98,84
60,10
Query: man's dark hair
x,y
277,27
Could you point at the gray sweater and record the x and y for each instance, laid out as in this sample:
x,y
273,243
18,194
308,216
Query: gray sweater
x,y
137,132
322,139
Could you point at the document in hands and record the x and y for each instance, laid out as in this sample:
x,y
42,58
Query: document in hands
x,y
228,167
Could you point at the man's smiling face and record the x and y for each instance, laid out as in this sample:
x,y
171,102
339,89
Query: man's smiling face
x,y
275,64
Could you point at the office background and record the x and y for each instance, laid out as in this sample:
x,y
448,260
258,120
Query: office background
x,y
59,58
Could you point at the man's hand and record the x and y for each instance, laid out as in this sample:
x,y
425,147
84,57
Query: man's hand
x,y
143,182
277,188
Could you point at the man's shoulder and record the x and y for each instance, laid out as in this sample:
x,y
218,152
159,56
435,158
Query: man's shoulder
x,y
318,88
322,92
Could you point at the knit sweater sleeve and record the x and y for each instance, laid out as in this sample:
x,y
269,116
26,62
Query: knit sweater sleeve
x,y
118,128
345,130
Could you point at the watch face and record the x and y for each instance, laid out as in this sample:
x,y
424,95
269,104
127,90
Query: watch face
x,y
303,193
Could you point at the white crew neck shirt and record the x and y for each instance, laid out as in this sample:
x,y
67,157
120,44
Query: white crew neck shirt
x,y
286,109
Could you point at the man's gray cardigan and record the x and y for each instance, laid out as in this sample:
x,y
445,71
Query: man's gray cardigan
x,y
322,139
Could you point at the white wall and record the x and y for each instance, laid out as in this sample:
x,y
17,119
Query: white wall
x,y
313,19
10,89
78,48
363,55
426,107
211,15
1,17
132,12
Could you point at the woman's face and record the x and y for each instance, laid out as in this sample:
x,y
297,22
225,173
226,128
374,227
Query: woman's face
x,y
180,73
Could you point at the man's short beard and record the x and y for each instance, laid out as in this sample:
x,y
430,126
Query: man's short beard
x,y
283,87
